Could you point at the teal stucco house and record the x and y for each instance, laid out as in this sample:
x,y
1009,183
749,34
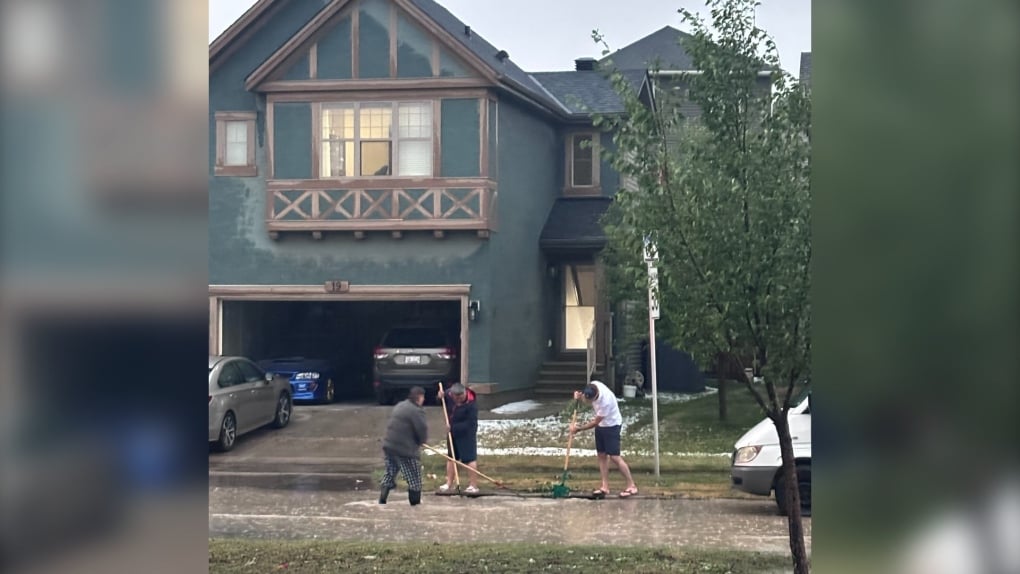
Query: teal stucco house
x,y
375,163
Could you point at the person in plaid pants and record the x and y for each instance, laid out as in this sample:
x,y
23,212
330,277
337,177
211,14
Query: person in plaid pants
x,y
406,431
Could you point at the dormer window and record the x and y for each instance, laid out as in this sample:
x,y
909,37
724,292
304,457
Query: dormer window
x,y
582,164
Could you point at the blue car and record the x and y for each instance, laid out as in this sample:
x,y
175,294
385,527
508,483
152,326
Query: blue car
x,y
310,379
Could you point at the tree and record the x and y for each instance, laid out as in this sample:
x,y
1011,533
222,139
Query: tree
x,y
725,194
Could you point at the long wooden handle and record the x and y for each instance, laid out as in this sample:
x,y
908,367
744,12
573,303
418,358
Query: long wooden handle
x,y
570,440
457,462
449,433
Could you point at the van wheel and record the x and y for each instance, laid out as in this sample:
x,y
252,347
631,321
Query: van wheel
x,y
804,484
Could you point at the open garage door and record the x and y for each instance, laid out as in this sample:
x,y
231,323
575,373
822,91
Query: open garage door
x,y
327,343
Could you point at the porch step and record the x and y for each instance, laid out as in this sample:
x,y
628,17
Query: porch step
x,y
562,376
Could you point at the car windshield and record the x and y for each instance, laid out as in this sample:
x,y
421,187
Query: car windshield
x,y
417,338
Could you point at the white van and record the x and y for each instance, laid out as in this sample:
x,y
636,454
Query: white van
x,y
757,462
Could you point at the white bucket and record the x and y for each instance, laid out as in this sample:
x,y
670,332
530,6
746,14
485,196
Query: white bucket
x,y
629,391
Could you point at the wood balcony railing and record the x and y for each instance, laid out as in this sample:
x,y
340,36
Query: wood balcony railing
x,y
394,205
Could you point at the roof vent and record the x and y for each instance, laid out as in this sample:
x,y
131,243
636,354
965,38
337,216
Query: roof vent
x,y
584,64
502,55
467,30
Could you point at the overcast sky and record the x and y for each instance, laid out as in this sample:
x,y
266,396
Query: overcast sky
x,y
547,35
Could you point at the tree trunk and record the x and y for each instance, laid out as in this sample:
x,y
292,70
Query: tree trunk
x,y
797,548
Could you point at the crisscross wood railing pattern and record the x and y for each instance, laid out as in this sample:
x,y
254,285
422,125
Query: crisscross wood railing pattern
x,y
389,205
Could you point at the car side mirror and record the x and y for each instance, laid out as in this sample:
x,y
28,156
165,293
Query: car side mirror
x,y
269,377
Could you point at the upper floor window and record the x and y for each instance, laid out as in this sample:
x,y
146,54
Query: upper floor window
x,y
235,144
582,163
376,139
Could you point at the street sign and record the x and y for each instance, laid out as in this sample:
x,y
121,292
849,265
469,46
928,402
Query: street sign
x,y
653,292
651,251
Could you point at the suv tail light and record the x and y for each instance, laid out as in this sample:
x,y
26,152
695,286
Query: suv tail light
x,y
380,354
447,354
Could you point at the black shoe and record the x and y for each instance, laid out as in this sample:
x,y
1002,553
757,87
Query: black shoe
x,y
414,497
384,493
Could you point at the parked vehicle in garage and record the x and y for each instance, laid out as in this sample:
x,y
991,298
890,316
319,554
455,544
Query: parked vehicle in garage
x,y
242,398
757,461
310,379
413,356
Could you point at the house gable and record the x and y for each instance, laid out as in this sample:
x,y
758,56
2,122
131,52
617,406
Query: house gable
x,y
368,40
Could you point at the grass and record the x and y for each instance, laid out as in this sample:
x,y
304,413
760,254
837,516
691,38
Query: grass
x,y
247,556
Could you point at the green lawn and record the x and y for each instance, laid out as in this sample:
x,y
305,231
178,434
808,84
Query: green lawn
x,y
248,556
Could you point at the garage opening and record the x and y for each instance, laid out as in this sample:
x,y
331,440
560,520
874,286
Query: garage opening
x,y
338,336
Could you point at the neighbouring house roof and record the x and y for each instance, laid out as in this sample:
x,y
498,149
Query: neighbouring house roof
x,y
663,45
573,224
585,92
805,69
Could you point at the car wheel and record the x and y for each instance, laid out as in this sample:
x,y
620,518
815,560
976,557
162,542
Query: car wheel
x,y
228,433
283,408
330,395
803,483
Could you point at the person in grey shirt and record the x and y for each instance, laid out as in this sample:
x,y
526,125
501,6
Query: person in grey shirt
x,y
406,432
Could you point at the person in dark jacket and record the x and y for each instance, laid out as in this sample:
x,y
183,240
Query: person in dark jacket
x,y
463,414
406,431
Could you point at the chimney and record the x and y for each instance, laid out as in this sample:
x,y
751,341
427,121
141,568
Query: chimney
x,y
585,64
502,55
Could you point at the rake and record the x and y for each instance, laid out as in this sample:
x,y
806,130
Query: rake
x,y
449,434
561,490
498,483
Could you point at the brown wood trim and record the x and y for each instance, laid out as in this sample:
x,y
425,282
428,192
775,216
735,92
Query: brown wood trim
x,y
437,132
235,116
375,95
393,41
379,183
355,44
270,164
293,44
374,84
464,338
473,61
316,141
582,191
313,61
483,132
568,186
378,225
215,326
494,138
236,170
228,292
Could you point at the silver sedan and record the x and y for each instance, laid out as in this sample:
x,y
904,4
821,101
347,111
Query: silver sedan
x,y
242,398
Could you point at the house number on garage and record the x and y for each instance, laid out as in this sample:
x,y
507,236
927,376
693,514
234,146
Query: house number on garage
x,y
337,286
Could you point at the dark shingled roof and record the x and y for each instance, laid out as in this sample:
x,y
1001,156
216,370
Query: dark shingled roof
x,y
588,91
573,223
805,69
663,45
512,74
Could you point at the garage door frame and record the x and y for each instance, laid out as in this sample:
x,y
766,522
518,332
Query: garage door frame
x,y
268,293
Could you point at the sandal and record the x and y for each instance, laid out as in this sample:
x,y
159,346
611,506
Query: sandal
x,y
629,492
600,492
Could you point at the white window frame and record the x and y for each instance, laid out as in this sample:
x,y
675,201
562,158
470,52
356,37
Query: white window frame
x,y
394,136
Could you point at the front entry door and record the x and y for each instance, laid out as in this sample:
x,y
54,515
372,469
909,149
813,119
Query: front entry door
x,y
579,302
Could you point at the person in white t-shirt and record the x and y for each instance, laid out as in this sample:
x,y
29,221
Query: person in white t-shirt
x,y
607,423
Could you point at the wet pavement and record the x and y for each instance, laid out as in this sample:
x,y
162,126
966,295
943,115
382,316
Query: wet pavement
x,y
355,515
313,480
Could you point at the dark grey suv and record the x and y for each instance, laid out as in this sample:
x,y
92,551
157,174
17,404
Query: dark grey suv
x,y
410,356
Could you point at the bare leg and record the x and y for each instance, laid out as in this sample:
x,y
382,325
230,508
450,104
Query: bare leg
x,y
449,474
624,470
604,470
473,481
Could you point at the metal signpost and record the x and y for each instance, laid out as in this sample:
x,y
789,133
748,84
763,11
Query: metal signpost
x,y
651,258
